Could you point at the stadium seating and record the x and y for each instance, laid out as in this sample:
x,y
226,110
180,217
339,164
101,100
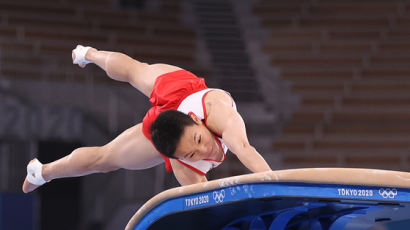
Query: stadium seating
x,y
40,34
348,62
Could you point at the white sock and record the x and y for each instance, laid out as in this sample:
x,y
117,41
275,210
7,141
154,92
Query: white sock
x,y
34,173
80,53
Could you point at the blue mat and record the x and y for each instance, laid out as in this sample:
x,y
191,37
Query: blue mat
x,y
284,206
311,198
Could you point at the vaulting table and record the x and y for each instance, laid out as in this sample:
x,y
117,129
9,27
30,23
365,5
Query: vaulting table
x,y
311,198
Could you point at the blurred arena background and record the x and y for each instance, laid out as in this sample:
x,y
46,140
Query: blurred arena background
x,y
320,83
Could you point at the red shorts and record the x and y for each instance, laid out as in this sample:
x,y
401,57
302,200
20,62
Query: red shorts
x,y
169,91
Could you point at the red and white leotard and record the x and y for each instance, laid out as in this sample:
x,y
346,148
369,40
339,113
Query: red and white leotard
x,y
183,91
195,104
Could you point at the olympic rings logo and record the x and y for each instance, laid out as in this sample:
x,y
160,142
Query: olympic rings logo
x,y
219,196
388,192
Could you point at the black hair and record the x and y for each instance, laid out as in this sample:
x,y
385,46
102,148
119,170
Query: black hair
x,y
167,130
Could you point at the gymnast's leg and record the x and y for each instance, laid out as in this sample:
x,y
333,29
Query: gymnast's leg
x,y
130,150
121,67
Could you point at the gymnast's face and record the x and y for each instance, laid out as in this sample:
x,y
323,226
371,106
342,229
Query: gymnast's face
x,y
197,143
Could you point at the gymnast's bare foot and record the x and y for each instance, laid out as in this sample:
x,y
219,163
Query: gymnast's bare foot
x,y
29,187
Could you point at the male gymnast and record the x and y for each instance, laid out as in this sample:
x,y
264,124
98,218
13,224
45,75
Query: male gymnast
x,y
189,126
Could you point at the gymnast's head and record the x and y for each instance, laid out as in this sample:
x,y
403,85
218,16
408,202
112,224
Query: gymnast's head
x,y
181,136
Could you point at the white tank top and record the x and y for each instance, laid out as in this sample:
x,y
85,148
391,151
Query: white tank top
x,y
195,103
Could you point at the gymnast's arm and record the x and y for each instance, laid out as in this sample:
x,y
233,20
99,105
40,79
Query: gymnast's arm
x,y
224,119
235,139
185,175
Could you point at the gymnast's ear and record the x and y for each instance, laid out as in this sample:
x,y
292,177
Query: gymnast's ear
x,y
194,117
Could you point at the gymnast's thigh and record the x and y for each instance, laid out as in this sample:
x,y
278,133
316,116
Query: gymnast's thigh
x,y
132,150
